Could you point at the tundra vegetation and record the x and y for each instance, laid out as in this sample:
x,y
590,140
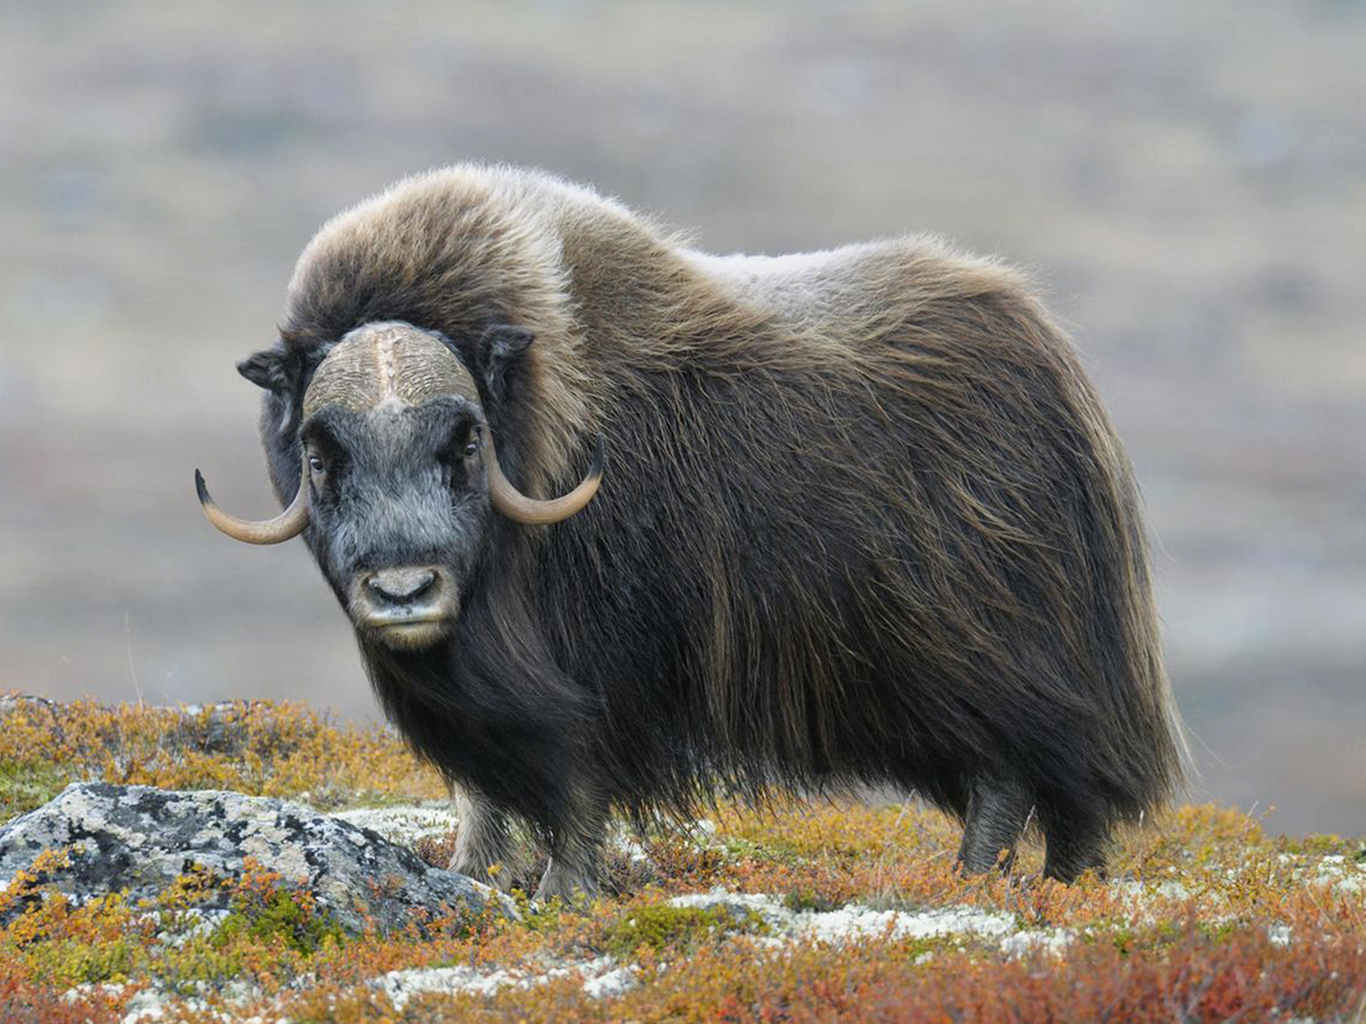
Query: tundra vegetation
x,y
834,910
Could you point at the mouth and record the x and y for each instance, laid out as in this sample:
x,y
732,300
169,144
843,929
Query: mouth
x,y
405,608
407,632
415,617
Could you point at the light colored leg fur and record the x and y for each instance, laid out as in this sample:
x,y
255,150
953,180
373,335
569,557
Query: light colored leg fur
x,y
483,842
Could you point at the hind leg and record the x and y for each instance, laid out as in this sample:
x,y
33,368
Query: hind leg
x,y
998,808
1074,843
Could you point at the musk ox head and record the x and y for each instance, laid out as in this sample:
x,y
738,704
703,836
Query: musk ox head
x,y
398,478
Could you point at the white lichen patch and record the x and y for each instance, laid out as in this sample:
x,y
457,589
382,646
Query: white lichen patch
x,y
613,983
1344,875
404,825
601,977
150,1005
185,925
1045,941
1279,935
857,922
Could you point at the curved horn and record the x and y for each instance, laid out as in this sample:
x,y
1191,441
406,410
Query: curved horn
x,y
289,523
519,508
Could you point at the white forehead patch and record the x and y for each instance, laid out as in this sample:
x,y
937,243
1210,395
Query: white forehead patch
x,y
391,365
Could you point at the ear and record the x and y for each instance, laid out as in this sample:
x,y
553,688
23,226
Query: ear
x,y
499,351
277,369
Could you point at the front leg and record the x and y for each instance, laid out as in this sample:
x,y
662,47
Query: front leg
x,y
576,853
484,841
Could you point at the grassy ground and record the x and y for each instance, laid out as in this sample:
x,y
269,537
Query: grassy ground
x,y
1206,918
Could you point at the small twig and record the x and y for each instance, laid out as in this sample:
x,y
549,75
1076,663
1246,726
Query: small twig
x,y
128,646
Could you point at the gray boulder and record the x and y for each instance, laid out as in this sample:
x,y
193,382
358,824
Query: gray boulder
x,y
138,839
11,702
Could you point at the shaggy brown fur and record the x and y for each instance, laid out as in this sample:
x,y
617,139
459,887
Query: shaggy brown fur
x,y
864,520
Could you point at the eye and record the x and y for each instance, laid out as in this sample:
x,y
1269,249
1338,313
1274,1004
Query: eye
x,y
316,463
462,444
471,443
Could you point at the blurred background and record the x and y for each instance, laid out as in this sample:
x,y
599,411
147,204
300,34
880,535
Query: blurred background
x,y
1186,181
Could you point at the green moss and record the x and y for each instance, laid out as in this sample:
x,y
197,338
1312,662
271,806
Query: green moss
x,y
1121,937
914,951
800,900
1221,931
741,848
544,917
1128,940
199,961
1317,845
186,892
663,926
25,786
280,915
114,961
67,961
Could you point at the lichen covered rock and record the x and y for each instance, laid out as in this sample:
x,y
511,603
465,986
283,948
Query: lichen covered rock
x,y
138,840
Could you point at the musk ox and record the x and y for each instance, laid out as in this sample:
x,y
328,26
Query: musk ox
x,y
863,521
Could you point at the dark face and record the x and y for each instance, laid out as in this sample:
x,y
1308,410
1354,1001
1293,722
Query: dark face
x,y
399,512
396,469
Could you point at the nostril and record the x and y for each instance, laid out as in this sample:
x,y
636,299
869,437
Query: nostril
x,y
400,586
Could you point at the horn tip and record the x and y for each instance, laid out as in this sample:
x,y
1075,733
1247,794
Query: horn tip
x,y
200,488
599,460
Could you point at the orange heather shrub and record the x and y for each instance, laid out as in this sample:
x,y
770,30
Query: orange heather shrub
x,y
22,1003
1207,918
281,750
